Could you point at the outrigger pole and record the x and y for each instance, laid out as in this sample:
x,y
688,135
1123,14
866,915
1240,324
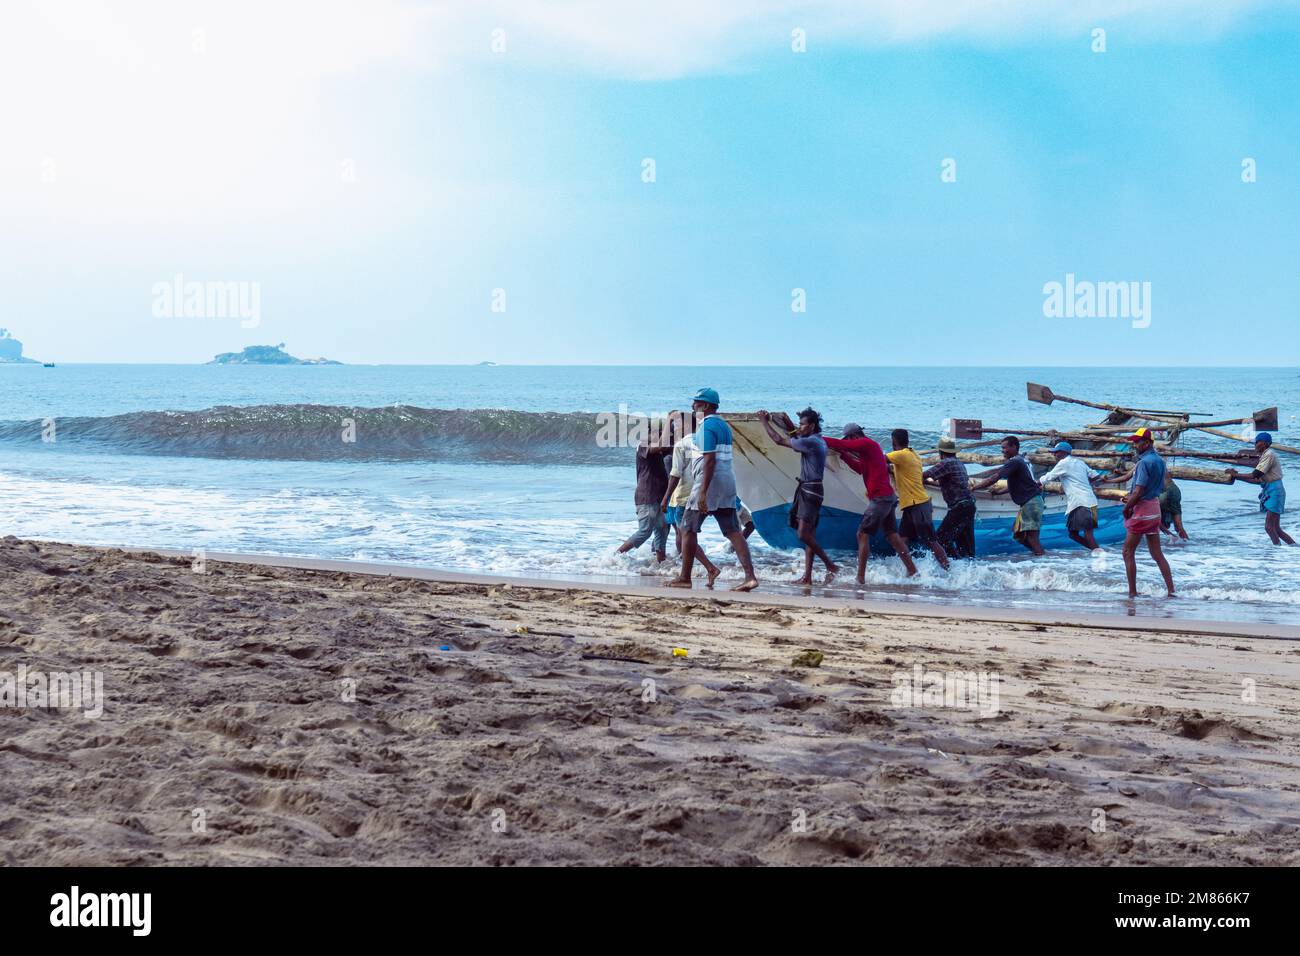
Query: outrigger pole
x,y
1263,420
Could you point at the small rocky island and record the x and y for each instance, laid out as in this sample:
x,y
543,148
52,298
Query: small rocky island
x,y
11,350
266,355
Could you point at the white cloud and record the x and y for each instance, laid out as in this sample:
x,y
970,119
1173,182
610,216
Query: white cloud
x,y
152,111
208,112
671,38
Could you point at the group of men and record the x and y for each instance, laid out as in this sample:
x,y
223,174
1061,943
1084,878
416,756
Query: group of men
x,y
702,482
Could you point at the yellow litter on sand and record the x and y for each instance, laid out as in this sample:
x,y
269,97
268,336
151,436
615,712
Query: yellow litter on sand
x,y
679,652
809,658
521,629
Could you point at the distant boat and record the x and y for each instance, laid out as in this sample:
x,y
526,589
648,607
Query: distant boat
x,y
49,365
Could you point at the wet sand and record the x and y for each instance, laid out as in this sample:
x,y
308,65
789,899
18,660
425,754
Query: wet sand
x,y
534,737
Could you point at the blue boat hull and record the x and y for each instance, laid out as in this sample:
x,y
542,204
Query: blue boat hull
x,y
838,531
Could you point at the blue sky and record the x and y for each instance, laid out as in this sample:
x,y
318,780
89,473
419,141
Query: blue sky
x,y
219,155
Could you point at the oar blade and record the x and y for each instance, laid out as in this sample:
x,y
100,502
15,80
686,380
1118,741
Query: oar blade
x,y
1039,393
1266,419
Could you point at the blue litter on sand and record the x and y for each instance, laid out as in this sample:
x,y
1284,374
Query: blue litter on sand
x,y
445,647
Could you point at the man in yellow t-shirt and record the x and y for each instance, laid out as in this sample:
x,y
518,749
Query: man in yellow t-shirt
x,y
918,513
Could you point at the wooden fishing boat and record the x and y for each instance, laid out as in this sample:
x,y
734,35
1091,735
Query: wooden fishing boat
x,y
767,473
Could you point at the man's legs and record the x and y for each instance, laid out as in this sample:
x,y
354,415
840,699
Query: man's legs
x,y
946,534
660,535
1084,537
738,542
1153,545
683,579
1273,525
711,569
957,531
808,535
900,548
1030,540
968,535
645,527
1130,562
864,551
919,521
1031,513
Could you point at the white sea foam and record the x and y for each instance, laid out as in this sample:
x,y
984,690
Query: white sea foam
x,y
499,520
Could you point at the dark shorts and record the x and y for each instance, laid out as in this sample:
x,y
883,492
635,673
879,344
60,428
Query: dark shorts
x,y
1081,519
807,504
918,522
879,516
957,529
692,521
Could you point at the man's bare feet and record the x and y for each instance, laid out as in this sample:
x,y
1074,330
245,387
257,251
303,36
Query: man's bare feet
x,y
677,583
806,580
713,576
832,570
746,585
860,582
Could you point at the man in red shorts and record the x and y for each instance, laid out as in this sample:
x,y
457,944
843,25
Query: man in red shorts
x,y
1142,510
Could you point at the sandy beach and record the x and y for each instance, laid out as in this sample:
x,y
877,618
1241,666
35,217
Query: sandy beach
x,y
268,715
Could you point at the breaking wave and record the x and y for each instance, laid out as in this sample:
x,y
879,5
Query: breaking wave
x,y
322,433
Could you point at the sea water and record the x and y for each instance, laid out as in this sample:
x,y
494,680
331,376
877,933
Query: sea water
x,y
87,456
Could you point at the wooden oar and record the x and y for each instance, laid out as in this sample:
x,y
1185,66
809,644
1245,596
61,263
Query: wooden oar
x,y
1045,396
1264,420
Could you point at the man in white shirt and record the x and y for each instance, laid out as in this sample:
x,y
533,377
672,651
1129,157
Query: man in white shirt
x,y
680,481
1080,500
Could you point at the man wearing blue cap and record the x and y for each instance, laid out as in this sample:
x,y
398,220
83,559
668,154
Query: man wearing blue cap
x,y
1076,480
1272,496
713,492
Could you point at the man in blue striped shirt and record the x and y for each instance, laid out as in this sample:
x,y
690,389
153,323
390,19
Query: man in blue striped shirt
x,y
714,492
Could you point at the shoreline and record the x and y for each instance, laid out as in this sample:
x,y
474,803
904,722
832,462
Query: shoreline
x,y
916,607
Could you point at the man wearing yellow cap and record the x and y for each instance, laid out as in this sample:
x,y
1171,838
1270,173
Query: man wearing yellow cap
x,y
1142,510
